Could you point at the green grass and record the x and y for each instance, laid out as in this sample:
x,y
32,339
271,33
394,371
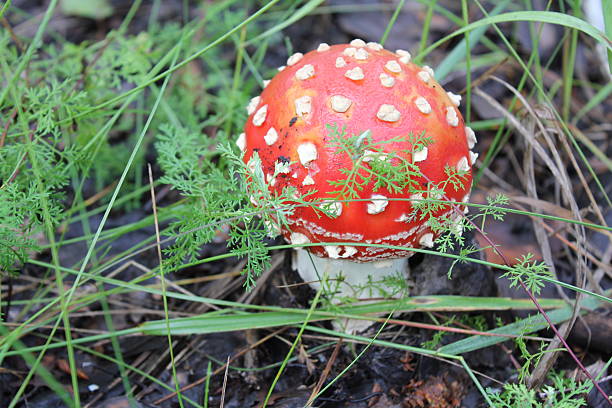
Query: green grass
x,y
81,122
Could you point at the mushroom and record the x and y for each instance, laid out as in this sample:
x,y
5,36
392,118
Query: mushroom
x,y
364,90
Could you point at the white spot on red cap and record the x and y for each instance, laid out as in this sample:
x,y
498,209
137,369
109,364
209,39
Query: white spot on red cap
x,y
241,142
282,67
424,76
374,46
386,80
378,204
349,251
260,115
398,236
361,54
429,70
369,155
358,42
332,251
416,198
420,155
471,137
404,56
316,229
308,181
349,51
422,105
388,113
354,74
451,116
307,71
271,136
402,218
282,167
457,227
266,82
393,66
294,59
307,152
332,207
340,251
427,240
323,47
455,99
298,238
473,157
340,62
463,165
434,193
340,103
253,104
303,105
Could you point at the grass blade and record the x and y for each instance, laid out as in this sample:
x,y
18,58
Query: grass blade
x,y
525,326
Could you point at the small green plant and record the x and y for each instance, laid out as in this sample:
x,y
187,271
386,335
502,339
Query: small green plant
x,y
435,341
529,272
561,392
226,193
374,162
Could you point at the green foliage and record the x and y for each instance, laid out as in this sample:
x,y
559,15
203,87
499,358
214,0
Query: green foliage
x,y
32,176
494,208
562,392
389,287
47,123
435,340
182,155
388,168
53,135
476,322
531,360
383,166
529,272
16,228
223,194
432,201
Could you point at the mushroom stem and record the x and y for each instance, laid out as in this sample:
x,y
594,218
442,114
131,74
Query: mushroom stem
x,y
348,280
343,280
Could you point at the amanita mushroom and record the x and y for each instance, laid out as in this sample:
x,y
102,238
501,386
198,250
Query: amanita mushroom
x,y
363,88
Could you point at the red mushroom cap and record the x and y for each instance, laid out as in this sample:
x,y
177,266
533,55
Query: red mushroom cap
x,y
360,87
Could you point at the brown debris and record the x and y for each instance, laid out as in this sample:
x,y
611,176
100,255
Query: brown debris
x,y
434,392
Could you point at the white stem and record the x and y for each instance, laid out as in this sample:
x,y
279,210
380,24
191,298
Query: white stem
x,y
343,280
353,280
